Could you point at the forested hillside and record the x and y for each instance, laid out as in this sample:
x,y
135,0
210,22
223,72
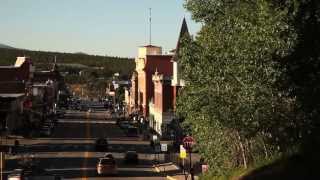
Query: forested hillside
x,y
110,64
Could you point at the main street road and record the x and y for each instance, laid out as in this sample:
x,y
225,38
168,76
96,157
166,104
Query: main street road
x,y
69,152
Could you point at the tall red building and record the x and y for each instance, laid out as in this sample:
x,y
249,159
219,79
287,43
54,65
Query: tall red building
x,y
166,91
150,59
155,84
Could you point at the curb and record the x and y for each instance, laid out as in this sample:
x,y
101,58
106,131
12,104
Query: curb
x,y
157,169
171,178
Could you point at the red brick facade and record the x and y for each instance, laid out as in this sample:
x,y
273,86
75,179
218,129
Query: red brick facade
x,y
153,63
158,83
163,95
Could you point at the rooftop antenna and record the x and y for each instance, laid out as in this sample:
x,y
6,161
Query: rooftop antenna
x,y
150,26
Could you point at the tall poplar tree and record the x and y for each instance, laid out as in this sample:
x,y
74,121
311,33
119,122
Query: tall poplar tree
x,y
232,69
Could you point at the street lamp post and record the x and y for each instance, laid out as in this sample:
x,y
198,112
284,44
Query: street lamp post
x,y
1,163
188,142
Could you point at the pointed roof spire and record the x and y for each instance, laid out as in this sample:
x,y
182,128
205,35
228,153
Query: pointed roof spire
x,y
184,29
183,32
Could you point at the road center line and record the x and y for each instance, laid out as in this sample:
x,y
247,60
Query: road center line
x,y
86,154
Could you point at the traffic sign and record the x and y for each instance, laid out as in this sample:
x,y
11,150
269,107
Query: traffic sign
x,y
164,147
183,153
188,142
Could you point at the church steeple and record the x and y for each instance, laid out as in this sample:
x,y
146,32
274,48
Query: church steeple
x,y
183,32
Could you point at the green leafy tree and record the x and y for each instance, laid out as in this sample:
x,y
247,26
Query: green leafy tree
x,y
231,99
301,78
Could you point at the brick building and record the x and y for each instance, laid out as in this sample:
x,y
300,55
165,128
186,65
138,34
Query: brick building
x,y
150,59
162,110
155,84
15,83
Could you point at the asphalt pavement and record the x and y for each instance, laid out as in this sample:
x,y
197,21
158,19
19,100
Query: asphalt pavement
x,y
69,152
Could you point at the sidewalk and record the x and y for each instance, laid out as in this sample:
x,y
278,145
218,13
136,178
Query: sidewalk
x,y
181,177
172,171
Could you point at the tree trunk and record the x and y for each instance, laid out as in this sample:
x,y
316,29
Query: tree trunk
x,y
265,149
244,158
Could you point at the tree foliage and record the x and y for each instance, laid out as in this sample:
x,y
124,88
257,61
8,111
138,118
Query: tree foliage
x,y
248,95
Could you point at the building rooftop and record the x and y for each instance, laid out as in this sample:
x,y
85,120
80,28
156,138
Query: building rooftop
x,y
21,60
151,46
16,95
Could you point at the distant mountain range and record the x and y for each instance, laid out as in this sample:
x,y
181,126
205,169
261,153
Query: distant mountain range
x,y
81,53
6,46
44,60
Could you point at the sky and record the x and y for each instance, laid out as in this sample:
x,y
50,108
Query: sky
x,y
98,27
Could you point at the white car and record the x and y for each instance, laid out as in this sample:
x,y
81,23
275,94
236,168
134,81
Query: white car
x,y
107,166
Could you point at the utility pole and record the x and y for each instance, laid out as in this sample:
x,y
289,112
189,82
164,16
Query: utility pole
x,y
150,26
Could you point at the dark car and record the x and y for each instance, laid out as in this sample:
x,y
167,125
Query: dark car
x,y
124,124
45,131
32,173
118,121
132,131
101,144
131,157
60,113
108,155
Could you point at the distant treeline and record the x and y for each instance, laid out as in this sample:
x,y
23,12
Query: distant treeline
x,y
111,65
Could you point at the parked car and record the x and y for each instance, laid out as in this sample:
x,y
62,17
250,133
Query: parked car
x,y
132,131
60,113
124,124
32,173
108,155
48,123
84,107
120,119
46,130
106,166
131,157
101,144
